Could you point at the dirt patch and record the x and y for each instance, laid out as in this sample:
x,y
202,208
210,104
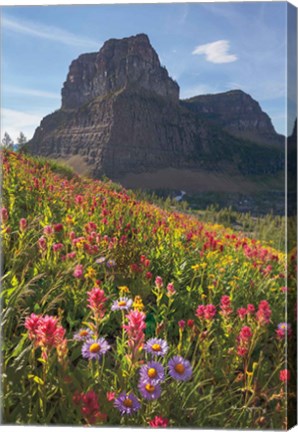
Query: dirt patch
x,y
77,163
190,181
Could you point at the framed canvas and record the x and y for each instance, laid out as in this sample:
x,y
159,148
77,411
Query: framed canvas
x,y
149,215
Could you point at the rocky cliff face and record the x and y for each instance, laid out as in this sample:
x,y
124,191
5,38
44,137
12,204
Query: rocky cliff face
x,y
121,115
120,64
238,113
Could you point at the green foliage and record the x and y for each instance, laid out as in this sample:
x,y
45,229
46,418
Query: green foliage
x,y
64,235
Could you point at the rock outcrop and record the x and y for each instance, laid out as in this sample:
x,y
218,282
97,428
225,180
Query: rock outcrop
x,y
238,113
121,115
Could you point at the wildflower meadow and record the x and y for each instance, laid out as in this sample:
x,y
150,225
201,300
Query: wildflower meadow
x,y
117,312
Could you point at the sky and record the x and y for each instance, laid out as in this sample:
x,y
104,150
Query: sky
x,y
206,48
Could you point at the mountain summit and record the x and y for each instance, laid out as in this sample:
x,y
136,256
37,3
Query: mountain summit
x,y
121,116
120,64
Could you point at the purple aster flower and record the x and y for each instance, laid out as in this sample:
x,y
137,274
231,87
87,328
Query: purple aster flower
x,y
123,303
284,326
100,260
156,346
149,391
83,334
111,263
180,369
152,373
127,403
93,349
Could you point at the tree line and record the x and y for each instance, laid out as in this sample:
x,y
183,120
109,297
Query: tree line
x,y
8,143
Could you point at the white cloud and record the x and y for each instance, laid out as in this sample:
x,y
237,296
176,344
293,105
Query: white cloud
x,y
47,32
216,52
30,92
13,122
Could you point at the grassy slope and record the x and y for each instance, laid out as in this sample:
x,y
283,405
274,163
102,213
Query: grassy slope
x,y
204,261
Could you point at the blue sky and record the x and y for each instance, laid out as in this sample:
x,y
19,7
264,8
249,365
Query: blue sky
x,y
206,47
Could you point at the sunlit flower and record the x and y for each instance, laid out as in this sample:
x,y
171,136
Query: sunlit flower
x,y
250,308
245,333
158,422
4,214
94,349
100,260
123,303
83,334
111,263
110,396
96,301
78,271
148,390
90,274
127,403
284,375
42,243
138,303
48,230
158,282
206,312
283,329
152,372
180,369
242,312
57,246
225,305
23,224
135,330
89,407
190,323
157,347
181,324
171,290
264,312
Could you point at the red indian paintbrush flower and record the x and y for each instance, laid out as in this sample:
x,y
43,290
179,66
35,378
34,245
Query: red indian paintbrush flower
x,y
264,312
284,375
96,301
225,305
46,333
159,422
135,330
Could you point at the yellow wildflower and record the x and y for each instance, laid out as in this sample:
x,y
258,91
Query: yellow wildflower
x,y
138,304
123,289
90,274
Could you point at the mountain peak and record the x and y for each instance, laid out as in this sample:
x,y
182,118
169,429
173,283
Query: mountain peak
x,y
124,63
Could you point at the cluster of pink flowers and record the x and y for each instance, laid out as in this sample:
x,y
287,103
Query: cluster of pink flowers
x,y
242,312
42,243
78,271
190,323
206,312
46,332
244,339
171,289
158,282
57,247
284,375
225,305
23,224
96,301
283,330
159,422
264,312
89,406
4,214
135,330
